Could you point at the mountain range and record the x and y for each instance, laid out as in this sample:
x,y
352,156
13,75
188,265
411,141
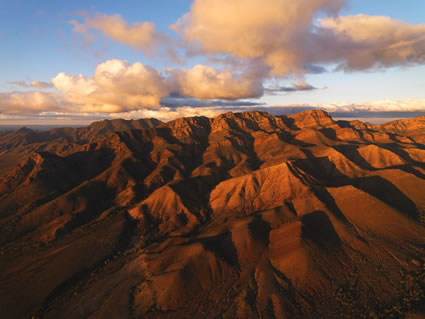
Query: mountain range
x,y
245,215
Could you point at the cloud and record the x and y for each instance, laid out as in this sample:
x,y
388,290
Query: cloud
x,y
32,102
204,82
168,113
142,35
366,107
26,109
181,101
406,105
120,87
300,86
36,84
116,86
378,108
20,83
287,37
314,69
41,85
273,30
362,42
265,38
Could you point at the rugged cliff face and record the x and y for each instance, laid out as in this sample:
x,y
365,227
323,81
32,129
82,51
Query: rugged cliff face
x,y
246,215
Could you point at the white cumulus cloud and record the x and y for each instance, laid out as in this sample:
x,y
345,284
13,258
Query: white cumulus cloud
x,y
204,82
118,86
115,87
286,36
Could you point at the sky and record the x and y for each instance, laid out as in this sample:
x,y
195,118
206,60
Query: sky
x,y
69,63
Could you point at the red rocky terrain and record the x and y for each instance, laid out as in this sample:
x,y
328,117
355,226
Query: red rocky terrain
x,y
246,215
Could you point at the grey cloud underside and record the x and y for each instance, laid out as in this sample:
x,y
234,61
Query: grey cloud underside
x,y
314,69
32,84
187,101
289,89
20,83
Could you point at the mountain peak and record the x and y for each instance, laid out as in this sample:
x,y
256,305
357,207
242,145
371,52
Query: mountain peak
x,y
24,130
312,118
122,124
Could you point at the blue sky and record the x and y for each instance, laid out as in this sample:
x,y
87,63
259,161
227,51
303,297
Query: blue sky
x,y
37,37
38,42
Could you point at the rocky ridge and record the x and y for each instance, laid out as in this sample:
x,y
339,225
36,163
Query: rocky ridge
x,y
244,215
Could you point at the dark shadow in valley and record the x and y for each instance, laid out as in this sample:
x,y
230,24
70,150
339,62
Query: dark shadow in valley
x,y
83,274
344,124
289,122
128,232
242,141
323,170
98,198
195,192
313,167
296,142
260,229
223,247
139,142
317,228
329,133
351,152
388,193
411,170
329,201
395,148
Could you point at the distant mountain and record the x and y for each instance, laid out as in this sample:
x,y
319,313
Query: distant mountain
x,y
245,215
16,145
